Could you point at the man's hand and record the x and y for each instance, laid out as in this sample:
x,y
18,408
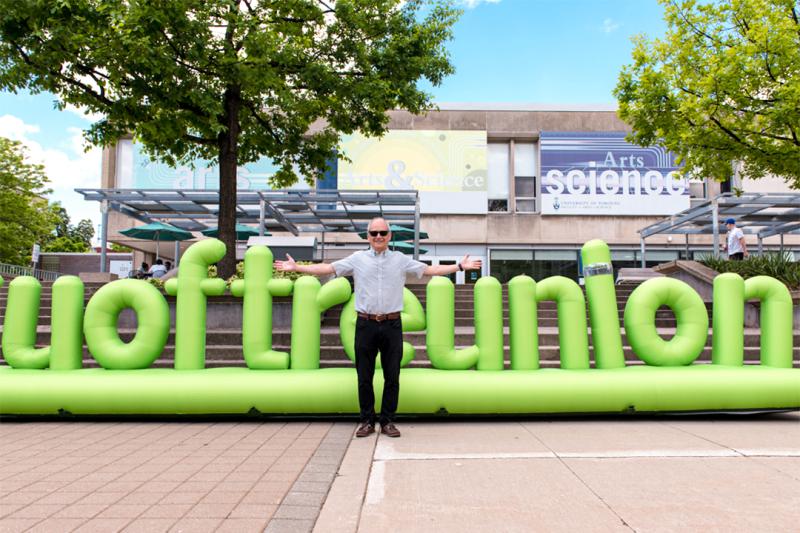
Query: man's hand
x,y
468,264
286,266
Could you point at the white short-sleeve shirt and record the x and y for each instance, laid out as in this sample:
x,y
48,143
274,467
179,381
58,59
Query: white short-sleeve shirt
x,y
734,245
158,271
379,278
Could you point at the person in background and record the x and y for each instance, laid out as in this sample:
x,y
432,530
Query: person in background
x,y
168,265
379,276
158,270
143,271
737,248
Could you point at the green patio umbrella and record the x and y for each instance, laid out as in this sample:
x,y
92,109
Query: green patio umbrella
x,y
400,233
242,232
157,231
405,247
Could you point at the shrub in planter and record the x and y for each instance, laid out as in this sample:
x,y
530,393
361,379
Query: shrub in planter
x,y
776,265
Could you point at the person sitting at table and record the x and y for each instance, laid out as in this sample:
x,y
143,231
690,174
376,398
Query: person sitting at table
x,y
143,271
158,269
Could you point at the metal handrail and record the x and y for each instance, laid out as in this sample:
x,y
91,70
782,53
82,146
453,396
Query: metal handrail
x,y
17,270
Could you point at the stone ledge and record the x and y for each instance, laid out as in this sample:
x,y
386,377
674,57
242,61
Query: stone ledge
x,y
97,277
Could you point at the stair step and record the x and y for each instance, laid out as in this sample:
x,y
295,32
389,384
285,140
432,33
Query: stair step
x,y
463,336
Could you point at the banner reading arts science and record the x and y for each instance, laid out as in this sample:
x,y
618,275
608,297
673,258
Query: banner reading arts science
x,y
602,174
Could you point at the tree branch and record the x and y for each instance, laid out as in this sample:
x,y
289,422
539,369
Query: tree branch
x,y
773,136
735,137
263,123
86,89
199,140
180,57
328,8
696,29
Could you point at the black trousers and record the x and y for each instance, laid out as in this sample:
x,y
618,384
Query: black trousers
x,y
736,257
387,338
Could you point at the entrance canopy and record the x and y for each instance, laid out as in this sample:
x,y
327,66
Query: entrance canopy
x,y
295,211
760,214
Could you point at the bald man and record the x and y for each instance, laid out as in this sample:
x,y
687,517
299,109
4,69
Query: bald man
x,y
379,276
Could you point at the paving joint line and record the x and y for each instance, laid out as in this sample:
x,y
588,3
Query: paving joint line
x,y
751,456
580,479
337,437
372,462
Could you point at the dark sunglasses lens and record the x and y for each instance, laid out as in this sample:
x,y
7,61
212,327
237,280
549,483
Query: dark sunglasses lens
x,y
381,233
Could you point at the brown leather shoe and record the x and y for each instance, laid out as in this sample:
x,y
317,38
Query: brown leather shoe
x,y
390,430
365,430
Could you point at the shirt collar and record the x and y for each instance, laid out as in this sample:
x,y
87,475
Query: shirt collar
x,y
373,253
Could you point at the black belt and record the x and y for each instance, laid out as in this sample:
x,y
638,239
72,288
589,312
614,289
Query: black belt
x,y
379,318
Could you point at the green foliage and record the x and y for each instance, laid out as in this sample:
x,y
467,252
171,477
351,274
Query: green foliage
x,y
65,244
24,217
239,273
291,275
230,81
66,237
778,266
119,248
158,283
722,86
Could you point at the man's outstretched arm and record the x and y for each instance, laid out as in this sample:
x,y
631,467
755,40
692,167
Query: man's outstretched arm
x,y
442,270
317,269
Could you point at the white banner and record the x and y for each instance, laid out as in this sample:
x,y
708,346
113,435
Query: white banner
x,y
602,174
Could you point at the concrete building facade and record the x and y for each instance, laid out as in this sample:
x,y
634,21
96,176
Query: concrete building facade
x,y
509,203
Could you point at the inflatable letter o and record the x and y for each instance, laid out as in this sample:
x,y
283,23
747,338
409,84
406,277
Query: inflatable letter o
x,y
690,314
100,324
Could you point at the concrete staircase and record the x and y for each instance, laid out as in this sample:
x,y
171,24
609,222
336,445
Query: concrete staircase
x,y
224,345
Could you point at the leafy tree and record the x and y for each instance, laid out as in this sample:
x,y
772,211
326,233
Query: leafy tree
x,y
119,248
61,220
65,244
24,217
83,232
229,80
722,86
65,237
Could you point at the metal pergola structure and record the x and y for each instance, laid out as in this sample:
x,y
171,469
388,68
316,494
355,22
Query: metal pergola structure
x,y
295,211
760,214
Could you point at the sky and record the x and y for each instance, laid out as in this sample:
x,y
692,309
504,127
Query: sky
x,y
504,51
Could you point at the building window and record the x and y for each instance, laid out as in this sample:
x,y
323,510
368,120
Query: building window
x,y
497,159
633,258
505,264
538,264
50,263
525,191
697,188
525,177
496,206
549,263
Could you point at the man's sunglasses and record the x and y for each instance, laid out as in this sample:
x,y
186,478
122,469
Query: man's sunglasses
x,y
382,233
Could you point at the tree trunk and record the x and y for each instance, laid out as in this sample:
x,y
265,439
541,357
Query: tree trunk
x,y
228,141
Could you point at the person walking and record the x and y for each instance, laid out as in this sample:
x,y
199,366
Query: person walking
x,y
735,244
379,275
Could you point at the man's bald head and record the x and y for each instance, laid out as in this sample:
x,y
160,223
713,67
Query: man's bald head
x,y
378,223
378,242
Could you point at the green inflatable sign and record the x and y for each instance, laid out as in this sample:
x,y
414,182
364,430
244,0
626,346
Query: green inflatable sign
x,y
469,380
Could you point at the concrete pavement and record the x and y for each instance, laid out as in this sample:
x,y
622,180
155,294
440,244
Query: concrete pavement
x,y
682,473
